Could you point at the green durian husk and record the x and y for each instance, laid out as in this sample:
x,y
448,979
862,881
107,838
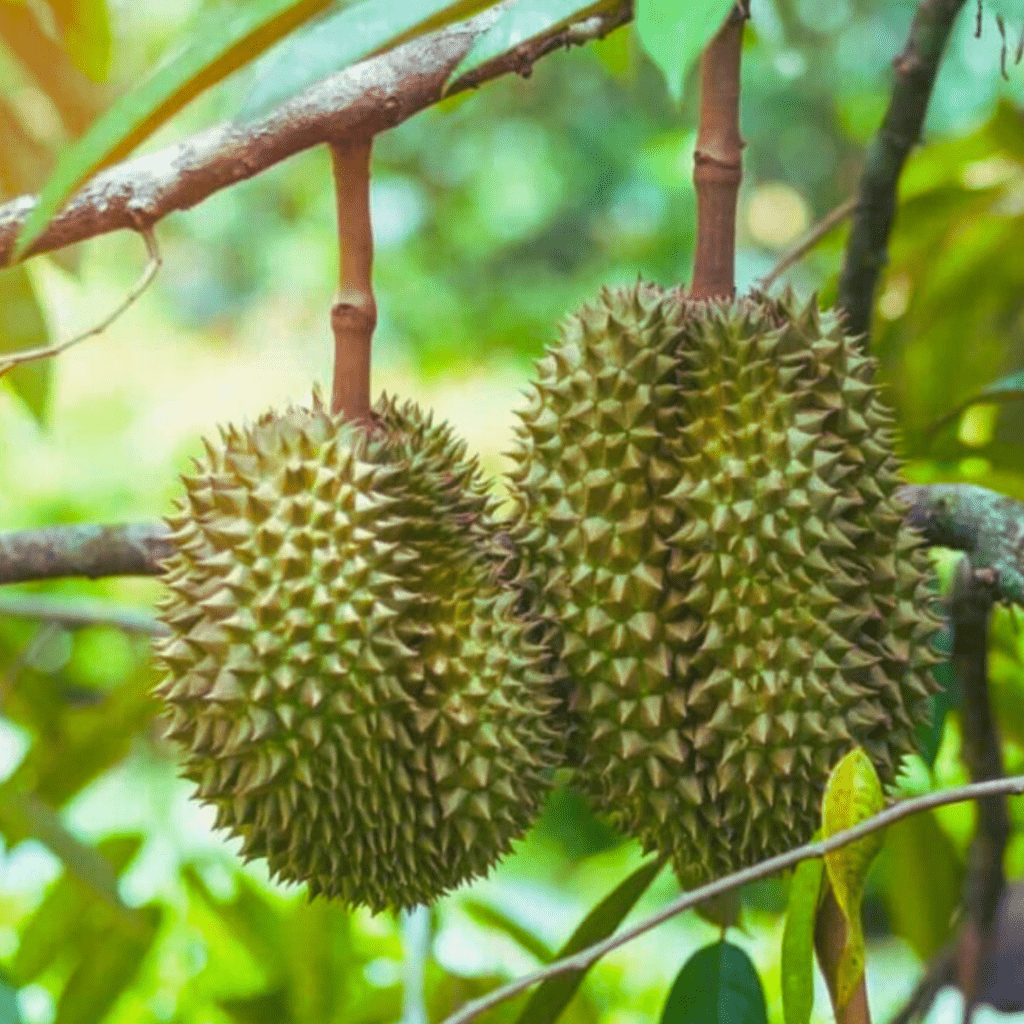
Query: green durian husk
x,y
706,508
353,686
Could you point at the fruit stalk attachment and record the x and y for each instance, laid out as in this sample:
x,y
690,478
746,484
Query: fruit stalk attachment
x,y
354,311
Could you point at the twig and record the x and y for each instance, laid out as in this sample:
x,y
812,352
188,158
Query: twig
x,y
867,246
354,310
123,549
830,944
582,960
80,614
718,160
360,101
416,928
150,272
813,236
971,606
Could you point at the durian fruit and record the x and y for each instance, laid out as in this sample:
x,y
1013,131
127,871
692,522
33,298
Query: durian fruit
x,y
354,689
706,503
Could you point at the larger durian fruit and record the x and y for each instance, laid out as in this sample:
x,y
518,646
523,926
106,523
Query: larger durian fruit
x,y
706,504
354,689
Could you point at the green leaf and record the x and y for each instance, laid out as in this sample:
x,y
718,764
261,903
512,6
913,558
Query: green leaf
x,y
341,39
798,943
10,1012
1006,389
852,794
717,985
519,23
107,971
219,46
492,917
548,1001
86,30
923,881
23,326
673,32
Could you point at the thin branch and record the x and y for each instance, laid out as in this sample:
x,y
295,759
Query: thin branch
x,y
718,160
829,945
360,101
971,606
144,281
79,614
867,247
814,235
123,549
583,960
354,310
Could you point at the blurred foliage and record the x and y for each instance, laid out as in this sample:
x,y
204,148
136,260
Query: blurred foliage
x,y
495,213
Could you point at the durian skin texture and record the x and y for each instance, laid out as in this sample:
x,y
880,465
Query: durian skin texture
x,y
353,688
706,501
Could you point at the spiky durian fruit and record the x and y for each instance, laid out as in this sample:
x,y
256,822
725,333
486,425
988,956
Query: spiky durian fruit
x,y
706,501
354,688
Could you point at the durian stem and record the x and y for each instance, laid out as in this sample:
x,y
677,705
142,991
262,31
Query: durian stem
x,y
829,943
718,160
867,247
354,311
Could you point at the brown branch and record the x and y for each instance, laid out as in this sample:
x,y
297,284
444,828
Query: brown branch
x,y
585,958
367,98
354,311
718,160
867,247
144,281
971,607
814,235
830,944
125,549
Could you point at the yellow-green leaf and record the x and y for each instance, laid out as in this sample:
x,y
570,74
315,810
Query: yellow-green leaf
x,y
22,326
853,793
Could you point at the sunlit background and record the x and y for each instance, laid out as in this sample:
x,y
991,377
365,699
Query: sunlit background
x,y
495,214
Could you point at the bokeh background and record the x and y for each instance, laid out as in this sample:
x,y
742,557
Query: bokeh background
x,y
495,214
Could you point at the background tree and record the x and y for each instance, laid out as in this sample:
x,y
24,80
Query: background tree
x,y
593,159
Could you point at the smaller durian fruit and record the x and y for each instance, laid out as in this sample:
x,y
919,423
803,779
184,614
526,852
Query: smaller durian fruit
x,y
356,692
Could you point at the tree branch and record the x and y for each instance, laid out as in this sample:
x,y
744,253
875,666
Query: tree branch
x,y
367,98
867,247
123,549
585,958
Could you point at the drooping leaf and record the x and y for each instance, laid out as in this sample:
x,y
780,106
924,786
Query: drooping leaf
x,y
101,977
493,917
852,794
341,39
1006,389
23,326
673,32
85,27
798,942
218,47
717,985
923,882
548,1001
519,23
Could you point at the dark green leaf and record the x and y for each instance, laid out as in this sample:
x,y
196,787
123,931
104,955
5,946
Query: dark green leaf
x,y
798,943
674,33
497,919
341,39
22,326
923,881
219,46
86,30
548,1001
107,971
717,985
517,24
